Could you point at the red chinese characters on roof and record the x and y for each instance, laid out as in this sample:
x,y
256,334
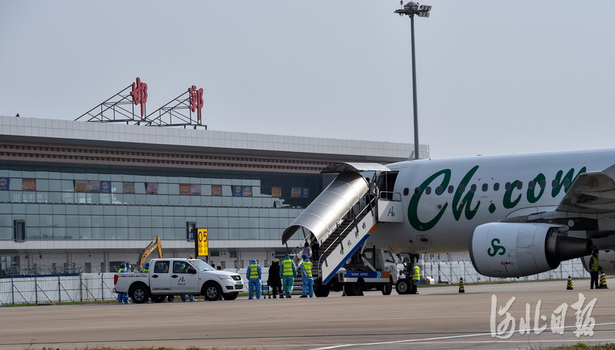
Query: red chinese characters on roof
x,y
196,100
139,94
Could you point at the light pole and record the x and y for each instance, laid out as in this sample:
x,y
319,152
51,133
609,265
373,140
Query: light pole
x,y
410,9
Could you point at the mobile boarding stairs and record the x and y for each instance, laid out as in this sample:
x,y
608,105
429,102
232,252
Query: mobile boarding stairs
x,y
344,215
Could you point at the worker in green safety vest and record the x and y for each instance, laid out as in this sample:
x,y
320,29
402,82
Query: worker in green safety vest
x,y
416,277
306,278
594,267
288,270
253,273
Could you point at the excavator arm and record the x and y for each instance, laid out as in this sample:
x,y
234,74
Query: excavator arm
x,y
156,244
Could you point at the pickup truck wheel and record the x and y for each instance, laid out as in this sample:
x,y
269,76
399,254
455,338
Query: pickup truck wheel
x,y
212,291
230,296
139,294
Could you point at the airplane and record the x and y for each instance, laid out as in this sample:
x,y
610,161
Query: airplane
x,y
516,215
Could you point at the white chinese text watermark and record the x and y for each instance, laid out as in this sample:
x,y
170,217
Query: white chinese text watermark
x,y
506,327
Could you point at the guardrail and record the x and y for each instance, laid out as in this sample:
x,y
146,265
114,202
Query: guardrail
x,y
451,271
59,288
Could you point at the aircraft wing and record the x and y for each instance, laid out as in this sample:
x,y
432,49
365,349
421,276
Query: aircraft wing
x,y
591,193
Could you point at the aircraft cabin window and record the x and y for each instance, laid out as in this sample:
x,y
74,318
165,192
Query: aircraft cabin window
x,y
485,187
439,190
554,183
451,189
507,186
406,191
428,190
566,182
531,185
461,188
473,188
417,191
496,186
543,184
519,185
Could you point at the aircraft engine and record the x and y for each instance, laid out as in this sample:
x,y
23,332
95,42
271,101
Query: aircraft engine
x,y
521,249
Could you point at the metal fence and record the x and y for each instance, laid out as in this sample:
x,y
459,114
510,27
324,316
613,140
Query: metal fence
x,y
45,289
58,288
451,271
42,270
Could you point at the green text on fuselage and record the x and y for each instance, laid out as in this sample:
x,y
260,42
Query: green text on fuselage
x,y
463,205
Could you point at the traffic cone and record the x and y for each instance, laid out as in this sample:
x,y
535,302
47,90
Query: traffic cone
x,y
569,286
603,281
461,289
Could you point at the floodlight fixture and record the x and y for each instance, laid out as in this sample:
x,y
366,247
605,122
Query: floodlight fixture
x,y
413,8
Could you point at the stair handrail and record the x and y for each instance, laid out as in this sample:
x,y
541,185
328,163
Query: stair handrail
x,y
354,221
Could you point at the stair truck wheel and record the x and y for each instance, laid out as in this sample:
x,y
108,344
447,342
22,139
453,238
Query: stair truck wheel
x,y
353,289
139,293
387,288
212,291
403,286
321,290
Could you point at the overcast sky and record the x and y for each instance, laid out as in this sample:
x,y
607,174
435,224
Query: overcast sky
x,y
494,77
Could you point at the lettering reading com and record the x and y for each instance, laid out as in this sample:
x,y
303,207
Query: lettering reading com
x,y
506,328
464,205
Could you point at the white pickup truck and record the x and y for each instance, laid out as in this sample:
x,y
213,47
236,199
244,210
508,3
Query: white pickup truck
x,y
169,277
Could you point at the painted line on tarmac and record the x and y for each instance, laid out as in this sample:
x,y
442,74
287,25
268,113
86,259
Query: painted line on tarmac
x,y
442,338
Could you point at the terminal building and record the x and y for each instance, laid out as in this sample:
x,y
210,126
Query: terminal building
x,y
79,196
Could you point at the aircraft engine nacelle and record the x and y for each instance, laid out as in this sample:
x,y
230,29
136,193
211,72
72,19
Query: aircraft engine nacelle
x,y
521,249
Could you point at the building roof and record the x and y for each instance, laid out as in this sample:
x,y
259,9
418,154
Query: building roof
x,y
52,140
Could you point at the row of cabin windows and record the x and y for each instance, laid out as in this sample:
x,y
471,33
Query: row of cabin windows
x,y
496,187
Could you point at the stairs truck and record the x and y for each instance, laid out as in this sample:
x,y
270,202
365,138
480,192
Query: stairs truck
x,y
169,277
371,268
341,220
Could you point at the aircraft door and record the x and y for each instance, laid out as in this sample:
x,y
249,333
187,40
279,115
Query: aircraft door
x,y
390,206
386,185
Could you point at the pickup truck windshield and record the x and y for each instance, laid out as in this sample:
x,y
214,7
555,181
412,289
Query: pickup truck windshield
x,y
201,265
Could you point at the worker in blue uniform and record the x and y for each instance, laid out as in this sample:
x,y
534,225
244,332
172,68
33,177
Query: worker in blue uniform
x,y
122,298
254,274
306,278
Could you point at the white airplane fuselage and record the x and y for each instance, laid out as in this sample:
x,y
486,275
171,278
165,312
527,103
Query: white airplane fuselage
x,y
445,200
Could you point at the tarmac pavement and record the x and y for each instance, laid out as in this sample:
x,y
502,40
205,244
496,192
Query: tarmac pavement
x,y
521,315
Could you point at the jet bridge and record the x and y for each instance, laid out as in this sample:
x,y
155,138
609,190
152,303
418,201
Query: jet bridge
x,y
341,218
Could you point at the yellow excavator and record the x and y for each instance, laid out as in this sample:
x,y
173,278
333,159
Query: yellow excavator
x,y
156,244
